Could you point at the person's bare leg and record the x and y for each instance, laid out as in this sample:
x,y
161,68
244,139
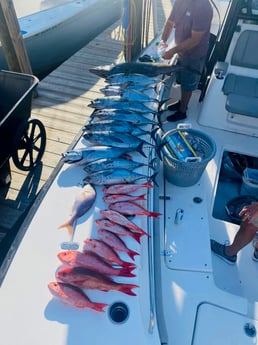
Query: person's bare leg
x,y
185,98
244,236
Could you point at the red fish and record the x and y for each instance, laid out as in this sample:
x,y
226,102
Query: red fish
x,y
117,229
118,218
131,208
93,262
126,188
73,296
105,251
114,241
83,202
111,198
88,279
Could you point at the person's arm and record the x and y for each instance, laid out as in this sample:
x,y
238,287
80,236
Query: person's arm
x,y
249,212
167,30
186,45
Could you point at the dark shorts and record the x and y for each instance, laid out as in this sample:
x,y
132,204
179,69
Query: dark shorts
x,y
190,75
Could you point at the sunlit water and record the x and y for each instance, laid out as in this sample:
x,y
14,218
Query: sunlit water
x,y
26,7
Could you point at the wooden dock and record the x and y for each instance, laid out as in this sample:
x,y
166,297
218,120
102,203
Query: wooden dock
x,y
62,106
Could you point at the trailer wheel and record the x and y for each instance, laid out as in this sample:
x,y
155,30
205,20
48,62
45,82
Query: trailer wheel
x,y
31,146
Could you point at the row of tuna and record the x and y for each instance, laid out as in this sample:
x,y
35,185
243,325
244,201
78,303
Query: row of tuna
x,y
121,124
123,121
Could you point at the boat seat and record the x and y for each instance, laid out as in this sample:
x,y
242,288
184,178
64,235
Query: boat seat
x,y
242,91
242,95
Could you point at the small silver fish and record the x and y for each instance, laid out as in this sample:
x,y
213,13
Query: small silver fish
x,y
129,94
115,176
133,78
124,103
118,163
115,126
125,116
93,153
114,139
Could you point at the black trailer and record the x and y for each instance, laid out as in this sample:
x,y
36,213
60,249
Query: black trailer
x,y
21,138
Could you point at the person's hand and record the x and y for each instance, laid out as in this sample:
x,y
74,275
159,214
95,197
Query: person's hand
x,y
162,45
249,212
169,54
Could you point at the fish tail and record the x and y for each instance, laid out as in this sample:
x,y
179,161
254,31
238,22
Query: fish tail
x,y
127,289
154,214
153,178
144,233
141,197
99,306
140,149
126,272
66,225
132,254
136,236
148,184
153,164
128,264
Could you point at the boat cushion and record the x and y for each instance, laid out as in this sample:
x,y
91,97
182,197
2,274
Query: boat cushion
x,y
240,85
246,51
243,105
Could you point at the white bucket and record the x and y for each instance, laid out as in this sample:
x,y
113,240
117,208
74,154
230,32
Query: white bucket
x,y
249,182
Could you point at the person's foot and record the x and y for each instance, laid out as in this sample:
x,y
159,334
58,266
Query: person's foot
x,y
174,106
219,250
178,115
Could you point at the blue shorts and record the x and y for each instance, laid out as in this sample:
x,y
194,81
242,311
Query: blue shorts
x,y
190,75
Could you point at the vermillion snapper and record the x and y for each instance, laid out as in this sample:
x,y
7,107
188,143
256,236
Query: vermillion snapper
x,y
120,219
73,296
120,230
127,188
115,242
93,262
131,208
105,251
88,279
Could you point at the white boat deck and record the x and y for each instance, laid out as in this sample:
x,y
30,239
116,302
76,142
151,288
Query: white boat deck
x,y
186,294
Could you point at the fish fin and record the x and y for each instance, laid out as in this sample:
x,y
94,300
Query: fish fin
x,y
127,289
68,226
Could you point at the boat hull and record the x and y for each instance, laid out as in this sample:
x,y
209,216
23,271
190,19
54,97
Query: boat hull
x,y
71,26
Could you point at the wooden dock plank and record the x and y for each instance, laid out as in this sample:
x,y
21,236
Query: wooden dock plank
x,y
62,106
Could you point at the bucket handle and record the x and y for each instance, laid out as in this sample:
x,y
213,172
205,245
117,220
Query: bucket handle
x,y
193,159
184,126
